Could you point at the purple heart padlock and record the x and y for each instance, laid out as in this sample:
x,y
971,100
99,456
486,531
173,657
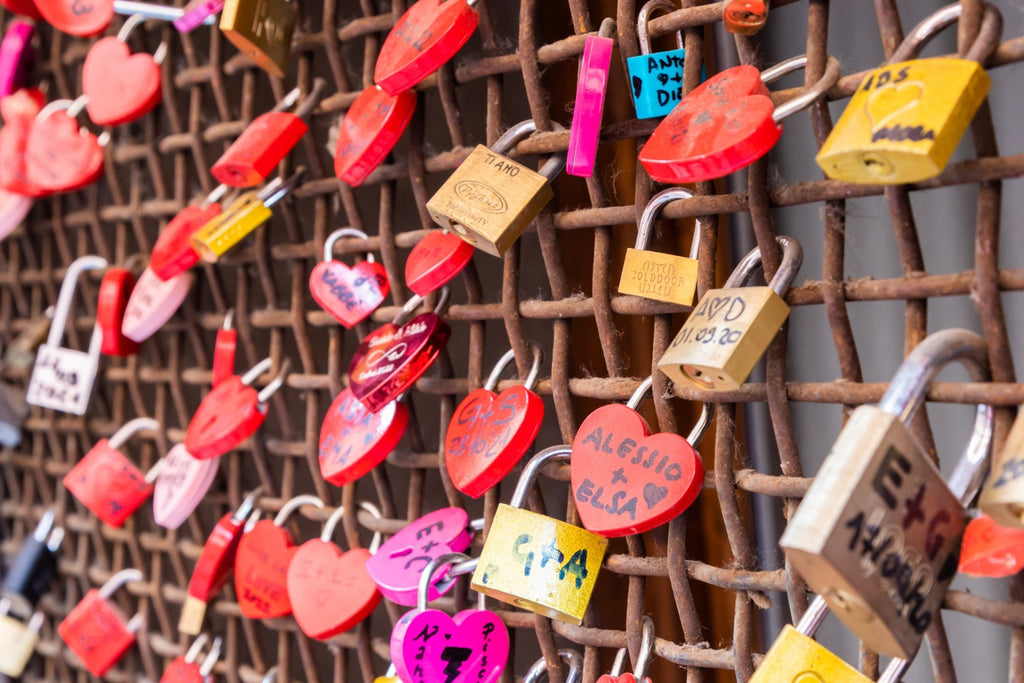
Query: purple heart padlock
x,y
429,646
397,566
180,486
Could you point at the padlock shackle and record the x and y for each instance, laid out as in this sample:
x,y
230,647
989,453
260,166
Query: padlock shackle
x,y
508,140
270,676
696,435
229,320
44,526
643,662
409,307
510,355
810,95
278,188
197,647
988,36
650,215
248,503
117,580
338,234
540,668
215,195
308,103
607,28
643,33
151,11
425,582
331,524
375,512
66,297
619,665
266,392
533,467
907,390
211,657
792,258
132,427
294,504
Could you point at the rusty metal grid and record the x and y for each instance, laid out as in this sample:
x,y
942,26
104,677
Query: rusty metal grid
x,y
156,167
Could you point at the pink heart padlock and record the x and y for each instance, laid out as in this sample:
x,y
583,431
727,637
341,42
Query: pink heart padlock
x,y
348,294
180,486
152,303
428,646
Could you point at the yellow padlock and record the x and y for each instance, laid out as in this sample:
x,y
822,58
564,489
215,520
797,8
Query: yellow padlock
x,y
539,563
907,117
19,640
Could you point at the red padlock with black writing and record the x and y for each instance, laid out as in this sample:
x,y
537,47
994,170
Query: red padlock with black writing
x,y
96,630
115,290
187,669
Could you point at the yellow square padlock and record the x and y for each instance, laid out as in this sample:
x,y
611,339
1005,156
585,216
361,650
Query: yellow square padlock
x,y
19,642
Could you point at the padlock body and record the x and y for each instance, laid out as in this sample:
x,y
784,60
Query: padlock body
x,y
19,642
490,200
262,30
259,149
724,337
28,577
228,229
878,533
62,379
658,276
108,483
796,658
1002,497
97,632
656,81
904,121
540,564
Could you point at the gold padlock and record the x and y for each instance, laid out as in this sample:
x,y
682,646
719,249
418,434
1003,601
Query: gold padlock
x,y
907,117
1002,498
655,275
878,533
262,29
535,562
490,200
731,328
19,640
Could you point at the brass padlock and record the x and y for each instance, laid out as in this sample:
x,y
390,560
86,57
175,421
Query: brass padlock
x,y
655,275
1002,498
536,562
490,200
731,328
262,29
19,640
907,117
878,533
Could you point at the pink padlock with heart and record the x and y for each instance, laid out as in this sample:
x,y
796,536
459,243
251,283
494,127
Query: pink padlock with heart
x,y
180,486
348,294
589,108
152,303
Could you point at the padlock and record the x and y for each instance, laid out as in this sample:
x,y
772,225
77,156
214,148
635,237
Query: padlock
x,y
588,110
490,200
330,591
26,8
181,483
656,275
1002,497
77,17
353,440
19,113
878,532
626,480
540,668
19,639
350,295
267,140
107,482
13,411
186,669
745,17
535,562
111,303
991,550
33,568
656,80
435,260
152,303
727,123
196,13
264,555
489,433
906,118
391,358
216,560
21,353
731,328
428,645
369,131
61,156
121,87
224,349
245,214
16,56
173,253
96,630
643,662
261,30
231,412
62,378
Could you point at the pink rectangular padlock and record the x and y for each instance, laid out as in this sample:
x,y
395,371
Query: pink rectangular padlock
x,y
589,107
96,630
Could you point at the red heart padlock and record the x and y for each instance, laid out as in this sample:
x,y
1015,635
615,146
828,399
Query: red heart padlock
x,y
60,156
990,549
187,669
348,294
626,480
81,18
121,87
489,432
230,413
391,358
115,288
353,440
19,112
25,8
173,253
425,37
435,260
331,591
369,131
261,563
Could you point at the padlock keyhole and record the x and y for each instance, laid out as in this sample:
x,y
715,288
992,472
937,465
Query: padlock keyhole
x,y
697,375
461,230
877,166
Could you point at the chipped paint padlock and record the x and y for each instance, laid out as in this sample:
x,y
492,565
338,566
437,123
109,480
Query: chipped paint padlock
x,y
187,669
107,482
745,17
536,562
1002,497
261,30
31,572
490,200
731,328
643,662
657,275
656,80
878,532
907,117
62,378
540,668
19,638
96,630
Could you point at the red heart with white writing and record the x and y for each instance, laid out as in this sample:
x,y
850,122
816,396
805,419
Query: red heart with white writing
x,y
349,294
626,480
353,440
261,571
121,86
60,156
435,260
330,591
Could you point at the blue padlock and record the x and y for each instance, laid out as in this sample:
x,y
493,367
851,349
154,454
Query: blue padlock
x,y
656,80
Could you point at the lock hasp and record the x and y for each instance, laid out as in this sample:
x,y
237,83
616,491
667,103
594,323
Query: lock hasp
x,y
796,658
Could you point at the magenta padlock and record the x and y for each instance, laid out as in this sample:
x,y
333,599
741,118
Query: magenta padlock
x,y
397,566
197,13
589,108
16,56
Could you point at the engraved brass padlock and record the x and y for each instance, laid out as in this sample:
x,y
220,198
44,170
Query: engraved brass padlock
x,y
1002,498
907,117
653,274
262,29
19,640
731,328
878,533
535,562
490,200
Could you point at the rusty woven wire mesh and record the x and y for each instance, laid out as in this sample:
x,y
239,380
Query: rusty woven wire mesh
x,y
555,288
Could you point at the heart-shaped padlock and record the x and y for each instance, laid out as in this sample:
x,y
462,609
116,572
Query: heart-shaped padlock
x,y
261,563
19,112
990,549
435,260
115,289
391,358
626,480
643,662
120,86
180,486
82,18
348,294
369,131
490,432
187,669
231,412
397,566
60,156
353,440
428,645
330,590
16,56
152,303
173,252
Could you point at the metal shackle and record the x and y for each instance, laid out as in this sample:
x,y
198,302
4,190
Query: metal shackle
x,y
988,35
130,428
643,662
129,26
118,580
523,129
294,504
696,435
540,668
65,298
332,523
405,313
461,564
809,96
308,103
792,258
643,33
506,360
654,207
529,476
338,234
